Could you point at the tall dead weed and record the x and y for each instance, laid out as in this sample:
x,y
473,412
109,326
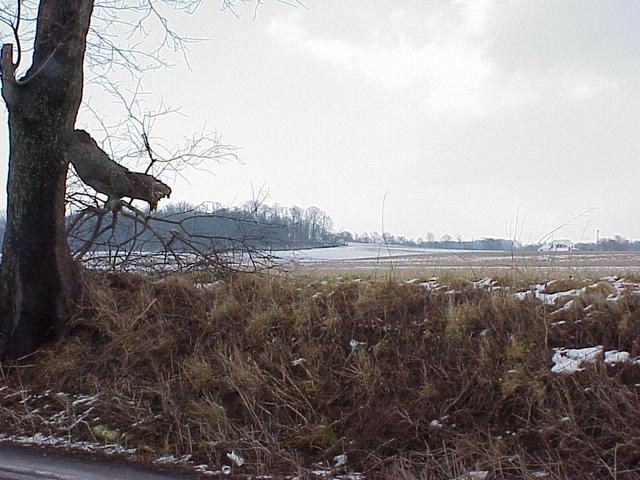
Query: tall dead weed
x,y
409,383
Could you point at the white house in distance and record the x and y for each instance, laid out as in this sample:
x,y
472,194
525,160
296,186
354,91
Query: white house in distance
x,y
558,246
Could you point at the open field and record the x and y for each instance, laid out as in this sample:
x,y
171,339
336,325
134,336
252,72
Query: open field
x,y
412,262
402,262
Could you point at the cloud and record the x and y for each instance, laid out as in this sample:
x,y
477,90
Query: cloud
x,y
458,66
451,74
332,50
476,15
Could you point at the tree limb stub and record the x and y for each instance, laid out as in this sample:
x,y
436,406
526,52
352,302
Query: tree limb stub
x,y
8,70
96,169
6,63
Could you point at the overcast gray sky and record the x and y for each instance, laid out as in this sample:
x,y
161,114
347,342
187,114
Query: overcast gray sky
x,y
470,115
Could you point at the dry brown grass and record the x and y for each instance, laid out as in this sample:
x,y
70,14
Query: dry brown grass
x,y
203,371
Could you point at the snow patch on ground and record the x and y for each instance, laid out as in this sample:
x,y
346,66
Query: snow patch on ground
x,y
615,356
474,475
44,440
235,458
571,360
431,284
484,283
340,460
537,291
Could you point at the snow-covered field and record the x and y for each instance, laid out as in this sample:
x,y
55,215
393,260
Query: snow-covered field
x,y
362,256
359,251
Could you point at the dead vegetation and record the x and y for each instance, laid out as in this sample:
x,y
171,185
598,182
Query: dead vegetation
x,y
289,373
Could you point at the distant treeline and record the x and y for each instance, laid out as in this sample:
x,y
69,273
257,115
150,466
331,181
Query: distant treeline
x,y
277,227
615,244
446,242
182,226
250,225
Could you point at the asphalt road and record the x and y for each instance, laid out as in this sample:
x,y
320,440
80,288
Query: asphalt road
x,y
23,463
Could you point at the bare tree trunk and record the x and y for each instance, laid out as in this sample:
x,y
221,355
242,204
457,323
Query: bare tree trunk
x,y
38,279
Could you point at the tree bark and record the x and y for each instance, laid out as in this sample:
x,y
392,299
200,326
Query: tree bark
x,y
39,282
104,175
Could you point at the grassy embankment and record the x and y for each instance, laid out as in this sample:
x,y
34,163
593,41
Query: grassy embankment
x,y
289,372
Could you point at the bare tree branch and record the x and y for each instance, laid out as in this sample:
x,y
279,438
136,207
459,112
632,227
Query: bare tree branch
x,y
133,35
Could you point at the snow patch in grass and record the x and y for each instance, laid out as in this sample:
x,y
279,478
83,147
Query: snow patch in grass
x,y
430,285
474,475
298,361
172,459
557,324
435,423
340,460
209,285
570,360
552,298
82,399
615,356
235,458
484,283
540,474
613,297
41,439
